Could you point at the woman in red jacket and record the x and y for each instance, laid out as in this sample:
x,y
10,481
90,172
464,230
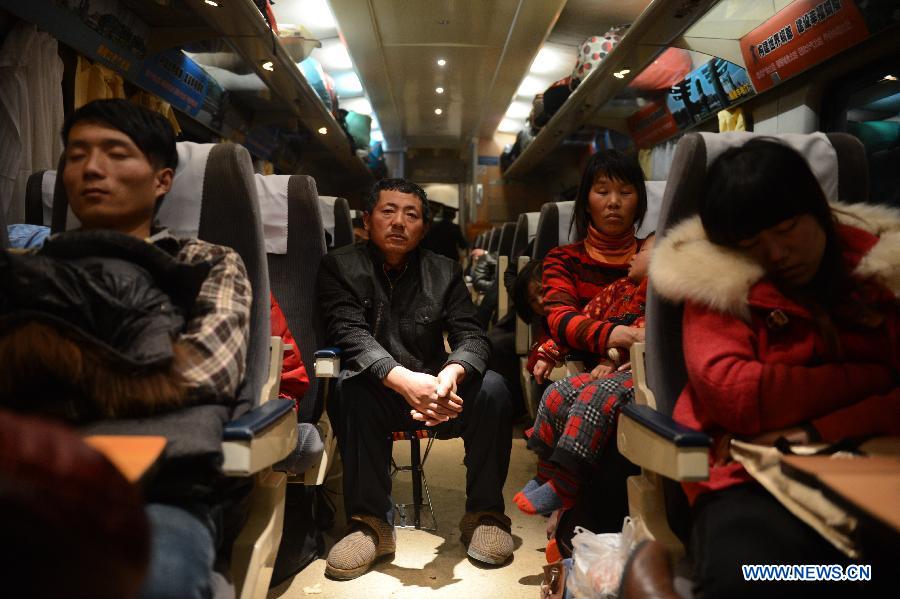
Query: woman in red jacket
x,y
611,202
790,330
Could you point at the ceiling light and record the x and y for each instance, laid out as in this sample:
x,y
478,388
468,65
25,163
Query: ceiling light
x,y
439,90
553,61
441,62
323,130
268,65
438,111
334,56
357,105
212,2
348,84
531,86
510,126
889,78
313,14
518,110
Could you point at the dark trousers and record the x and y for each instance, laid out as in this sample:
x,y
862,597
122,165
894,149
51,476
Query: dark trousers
x,y
365,413
747,525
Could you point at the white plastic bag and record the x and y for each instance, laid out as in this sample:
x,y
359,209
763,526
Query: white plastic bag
x,y
599,560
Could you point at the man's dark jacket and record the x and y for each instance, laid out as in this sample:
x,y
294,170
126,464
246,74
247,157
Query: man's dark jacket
x,y
381,323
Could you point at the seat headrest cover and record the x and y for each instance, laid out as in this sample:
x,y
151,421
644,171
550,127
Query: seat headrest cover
x,y
533,218
655,192
48,183
327,209
180,211
814,147
567,233
273,207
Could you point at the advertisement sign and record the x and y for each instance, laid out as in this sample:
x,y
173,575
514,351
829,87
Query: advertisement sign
x,y
651,124
707,90
802,35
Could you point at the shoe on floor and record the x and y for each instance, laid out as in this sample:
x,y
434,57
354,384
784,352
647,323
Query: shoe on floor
x,y
487,537
369,538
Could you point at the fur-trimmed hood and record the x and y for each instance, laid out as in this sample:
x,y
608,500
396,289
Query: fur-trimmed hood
x,y
686,266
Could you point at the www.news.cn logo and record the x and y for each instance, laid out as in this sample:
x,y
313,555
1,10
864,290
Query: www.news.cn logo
x,y
806,572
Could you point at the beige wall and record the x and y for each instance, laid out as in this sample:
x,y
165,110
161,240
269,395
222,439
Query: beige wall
x,y
502,200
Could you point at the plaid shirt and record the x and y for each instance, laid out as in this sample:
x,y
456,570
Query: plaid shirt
x,y
217,330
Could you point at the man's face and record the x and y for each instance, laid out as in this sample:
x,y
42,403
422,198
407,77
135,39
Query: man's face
x,y
110,182
396,224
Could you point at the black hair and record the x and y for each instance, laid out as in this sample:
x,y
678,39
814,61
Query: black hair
x,y
532,272
403,186
755,186
149,130
615,165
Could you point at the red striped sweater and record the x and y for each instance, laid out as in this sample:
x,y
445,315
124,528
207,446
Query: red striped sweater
x,y
571,279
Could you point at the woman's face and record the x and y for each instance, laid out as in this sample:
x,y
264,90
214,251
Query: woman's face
x,y
612,204
790,251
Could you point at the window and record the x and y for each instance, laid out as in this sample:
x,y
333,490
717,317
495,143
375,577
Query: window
x,y
868,107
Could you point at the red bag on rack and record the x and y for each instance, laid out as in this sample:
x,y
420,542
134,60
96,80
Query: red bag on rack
x,y
669,68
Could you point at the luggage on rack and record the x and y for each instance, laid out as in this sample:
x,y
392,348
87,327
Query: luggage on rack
x,y
592,52
555,96
669,68
359,126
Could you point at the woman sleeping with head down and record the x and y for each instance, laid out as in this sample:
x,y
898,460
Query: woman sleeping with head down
x,y
791,329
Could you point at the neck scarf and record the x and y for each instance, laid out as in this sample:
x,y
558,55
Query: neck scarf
x,y
610,249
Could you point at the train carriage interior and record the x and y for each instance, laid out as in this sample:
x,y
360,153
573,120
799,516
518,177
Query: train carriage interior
x,y
566,298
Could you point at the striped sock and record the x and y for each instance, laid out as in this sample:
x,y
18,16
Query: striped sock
x,y
558,492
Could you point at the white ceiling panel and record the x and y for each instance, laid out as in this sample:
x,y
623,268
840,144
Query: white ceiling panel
x,y
488,46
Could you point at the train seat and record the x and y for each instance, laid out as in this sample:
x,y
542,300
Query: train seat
x,y
337,220
507,234
214,198
526,228
647,435
39,197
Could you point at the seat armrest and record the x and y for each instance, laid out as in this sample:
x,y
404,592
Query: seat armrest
x,y
259,438
657,443
664,426
257,421
328,362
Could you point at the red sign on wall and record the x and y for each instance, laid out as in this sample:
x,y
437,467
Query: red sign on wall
x,y
652,124
803,34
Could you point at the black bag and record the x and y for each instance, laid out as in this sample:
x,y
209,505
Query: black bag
x,y
555,96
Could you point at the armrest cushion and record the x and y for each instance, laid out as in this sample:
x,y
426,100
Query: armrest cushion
x,y
665,427
328,362
257,420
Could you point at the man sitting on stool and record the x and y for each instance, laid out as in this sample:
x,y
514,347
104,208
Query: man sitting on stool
x,y
387,304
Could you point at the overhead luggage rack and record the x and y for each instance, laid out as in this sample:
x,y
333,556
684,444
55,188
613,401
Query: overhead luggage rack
x,y
661,23
140,39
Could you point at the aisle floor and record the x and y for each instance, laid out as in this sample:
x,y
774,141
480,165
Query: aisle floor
x,y
434,564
